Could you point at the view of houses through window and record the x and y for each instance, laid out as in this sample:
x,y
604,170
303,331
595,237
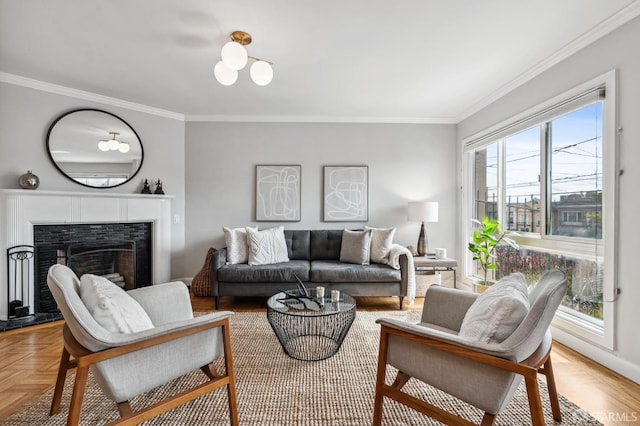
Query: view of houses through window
x,y
545,183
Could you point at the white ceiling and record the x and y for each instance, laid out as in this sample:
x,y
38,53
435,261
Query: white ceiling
x,y
334,60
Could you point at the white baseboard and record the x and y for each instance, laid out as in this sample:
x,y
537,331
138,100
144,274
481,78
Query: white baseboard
x,y
608,359
186,280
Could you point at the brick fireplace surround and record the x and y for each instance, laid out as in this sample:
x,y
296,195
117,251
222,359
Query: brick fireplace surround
x,y
22,210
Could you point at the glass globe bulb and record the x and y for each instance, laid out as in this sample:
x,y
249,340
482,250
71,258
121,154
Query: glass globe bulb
x,y
124,147
103,146
261,73
113,144
225,75
234,55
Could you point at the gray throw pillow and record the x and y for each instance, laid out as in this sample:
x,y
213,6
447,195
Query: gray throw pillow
x,y
497,312
355,247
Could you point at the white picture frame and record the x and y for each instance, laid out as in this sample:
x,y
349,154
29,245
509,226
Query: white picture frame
x,y
278,193
346,194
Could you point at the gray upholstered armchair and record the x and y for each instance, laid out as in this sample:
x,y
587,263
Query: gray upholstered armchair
x,y
482,373
128,364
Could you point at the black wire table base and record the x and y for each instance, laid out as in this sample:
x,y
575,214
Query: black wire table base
x,y
311,334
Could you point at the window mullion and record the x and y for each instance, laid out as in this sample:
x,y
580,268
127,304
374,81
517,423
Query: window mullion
x,y
545,180
501,182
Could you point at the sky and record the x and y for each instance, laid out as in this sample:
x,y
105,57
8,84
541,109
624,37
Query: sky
x,y
576,156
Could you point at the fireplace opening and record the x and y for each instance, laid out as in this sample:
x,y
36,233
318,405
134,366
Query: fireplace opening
x,y
114,260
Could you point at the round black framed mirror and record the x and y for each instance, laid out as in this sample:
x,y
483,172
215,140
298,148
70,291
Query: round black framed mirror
x,y
94,148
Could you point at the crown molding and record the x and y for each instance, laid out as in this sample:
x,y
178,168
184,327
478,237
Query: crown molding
x,y
87,96
317,119
603,28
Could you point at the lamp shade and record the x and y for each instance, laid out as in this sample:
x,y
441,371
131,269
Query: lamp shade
x,y
423,211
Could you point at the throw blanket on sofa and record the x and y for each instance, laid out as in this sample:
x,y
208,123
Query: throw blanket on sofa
x,y
394,262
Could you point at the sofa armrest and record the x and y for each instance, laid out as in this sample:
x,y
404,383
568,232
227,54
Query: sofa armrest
x,y
404,274
218,260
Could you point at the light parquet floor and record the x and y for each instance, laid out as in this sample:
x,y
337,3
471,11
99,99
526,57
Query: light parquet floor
x,y
29,359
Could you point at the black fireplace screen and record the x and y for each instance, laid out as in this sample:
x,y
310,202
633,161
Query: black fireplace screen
x,y
114,260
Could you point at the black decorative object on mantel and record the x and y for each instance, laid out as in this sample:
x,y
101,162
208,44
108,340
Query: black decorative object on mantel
x,y
145,188
159,188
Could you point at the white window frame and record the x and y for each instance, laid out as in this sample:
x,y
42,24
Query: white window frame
x,y
572,322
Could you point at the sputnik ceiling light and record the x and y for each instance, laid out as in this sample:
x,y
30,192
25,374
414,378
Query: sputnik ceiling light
x,y
114,144
235,57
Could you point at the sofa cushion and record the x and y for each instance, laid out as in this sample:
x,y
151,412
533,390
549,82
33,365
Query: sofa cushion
x,y
497,312
281,272
237,244
326,244
111,306
267,247
356,246
298,244
381,242
333,271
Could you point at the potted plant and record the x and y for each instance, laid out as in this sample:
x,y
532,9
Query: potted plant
x,y
483,246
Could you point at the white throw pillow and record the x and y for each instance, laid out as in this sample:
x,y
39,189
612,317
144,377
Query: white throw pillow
x,y
111,306
237,244
381,242
355,247
497,312
267,247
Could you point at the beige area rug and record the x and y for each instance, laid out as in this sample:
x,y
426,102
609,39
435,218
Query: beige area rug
x,y
274,389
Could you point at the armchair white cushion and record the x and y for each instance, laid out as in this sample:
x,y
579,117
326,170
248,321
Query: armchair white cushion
x,y
497,312
111,306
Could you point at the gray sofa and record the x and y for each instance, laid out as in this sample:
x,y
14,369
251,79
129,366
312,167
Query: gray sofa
x,y
315,258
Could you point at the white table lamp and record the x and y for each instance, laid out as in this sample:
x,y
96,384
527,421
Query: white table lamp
x,y
423,211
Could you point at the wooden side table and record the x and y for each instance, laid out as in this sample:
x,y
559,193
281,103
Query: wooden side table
x,y
429,265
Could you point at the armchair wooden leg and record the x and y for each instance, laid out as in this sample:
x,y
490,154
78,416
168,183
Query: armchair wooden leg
x,y
382,371
77,396
533,394
211,372
228,363
553,392
401,380
124,408
488,419
65,364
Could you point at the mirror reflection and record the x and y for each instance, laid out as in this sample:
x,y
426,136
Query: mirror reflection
x,y
94,148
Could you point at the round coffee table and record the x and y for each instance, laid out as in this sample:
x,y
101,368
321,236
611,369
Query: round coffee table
x,y
310,329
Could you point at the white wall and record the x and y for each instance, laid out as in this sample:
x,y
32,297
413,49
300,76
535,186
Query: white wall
x,y
618,50
406,162
25,117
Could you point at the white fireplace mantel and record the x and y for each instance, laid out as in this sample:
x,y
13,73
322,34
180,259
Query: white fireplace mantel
x,y
20,210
